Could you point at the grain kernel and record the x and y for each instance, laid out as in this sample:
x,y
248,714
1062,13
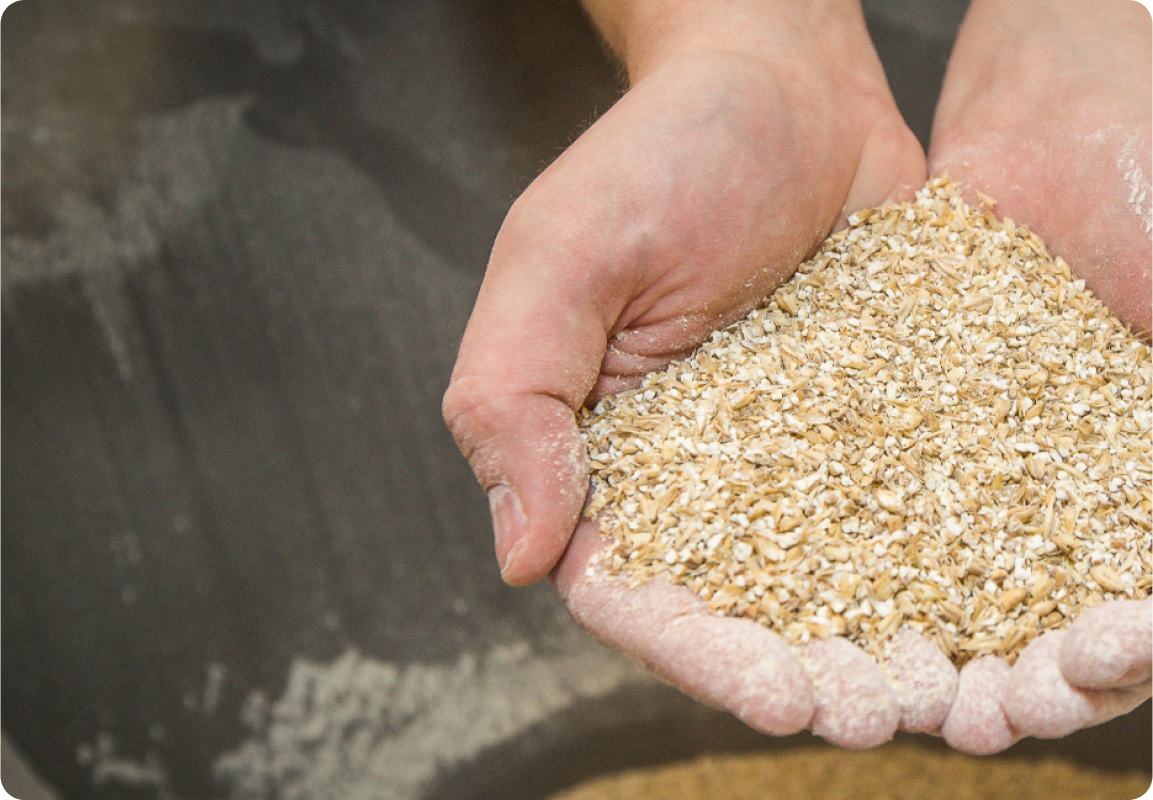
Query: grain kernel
x,y
909,424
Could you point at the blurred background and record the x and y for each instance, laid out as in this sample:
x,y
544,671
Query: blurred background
x,y
241,556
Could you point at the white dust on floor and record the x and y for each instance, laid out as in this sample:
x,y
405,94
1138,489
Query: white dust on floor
x,y
362,729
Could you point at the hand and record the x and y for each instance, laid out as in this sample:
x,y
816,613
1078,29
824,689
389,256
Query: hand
x,y
1063,681
831,687
748,134
1046,107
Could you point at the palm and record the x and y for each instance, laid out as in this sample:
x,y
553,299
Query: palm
x,y
707,185
684,205
1056,127
678,210
1050,115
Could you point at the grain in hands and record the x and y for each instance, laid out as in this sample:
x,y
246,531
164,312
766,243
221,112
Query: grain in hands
x,y
933,425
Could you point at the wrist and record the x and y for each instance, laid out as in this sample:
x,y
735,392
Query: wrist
x,y
1025,10
647,33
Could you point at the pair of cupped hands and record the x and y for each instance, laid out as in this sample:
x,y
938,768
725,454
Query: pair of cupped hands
x,y
752,129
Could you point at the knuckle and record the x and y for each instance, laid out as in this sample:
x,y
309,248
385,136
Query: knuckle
x,y
459,408
471,413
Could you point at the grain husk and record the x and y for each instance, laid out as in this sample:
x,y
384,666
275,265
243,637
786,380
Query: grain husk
x,y
933,425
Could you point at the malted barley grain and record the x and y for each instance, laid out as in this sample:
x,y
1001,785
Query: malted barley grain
x,y
931,425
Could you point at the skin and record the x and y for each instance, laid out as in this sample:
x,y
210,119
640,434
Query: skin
x,y
691,199
1046,107
751,130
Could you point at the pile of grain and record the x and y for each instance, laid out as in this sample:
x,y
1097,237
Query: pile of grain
x,y
931,425
897,772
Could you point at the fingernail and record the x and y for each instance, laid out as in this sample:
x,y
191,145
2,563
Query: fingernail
x,y
508,522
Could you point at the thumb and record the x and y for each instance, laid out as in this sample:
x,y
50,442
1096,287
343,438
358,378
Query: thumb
x,y
529,357
528,456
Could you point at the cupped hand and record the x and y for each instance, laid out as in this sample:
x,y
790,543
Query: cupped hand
x,y
1097,669
1046,108
744,140
830,687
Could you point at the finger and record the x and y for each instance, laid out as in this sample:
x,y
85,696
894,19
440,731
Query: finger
x,y
890,142
527,454
1039,702
529,356
1037,699
724,662
631,355
577,260
977,723
1110,646
608,385
925,681
854,706
626,356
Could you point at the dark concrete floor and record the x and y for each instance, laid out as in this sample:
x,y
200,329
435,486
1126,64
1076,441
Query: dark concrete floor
x,y
240,244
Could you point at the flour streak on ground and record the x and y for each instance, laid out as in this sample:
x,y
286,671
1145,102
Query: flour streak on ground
x,y
362,729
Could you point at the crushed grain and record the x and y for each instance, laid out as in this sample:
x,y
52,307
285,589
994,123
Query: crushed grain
x,y
933,425
898,771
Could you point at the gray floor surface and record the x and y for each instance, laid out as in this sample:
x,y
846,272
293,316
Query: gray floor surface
x,y
240,244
